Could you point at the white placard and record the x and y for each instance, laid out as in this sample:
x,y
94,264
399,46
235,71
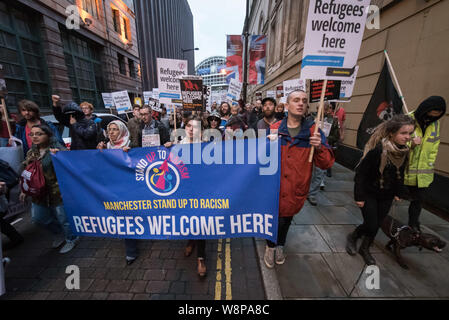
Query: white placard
x,y
107,100
234,90
294,85
151,140
122,101
333,38
147,95
347,87
169,72
156,93
271,94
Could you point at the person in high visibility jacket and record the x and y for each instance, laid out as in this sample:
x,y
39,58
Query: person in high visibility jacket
x,y
424,150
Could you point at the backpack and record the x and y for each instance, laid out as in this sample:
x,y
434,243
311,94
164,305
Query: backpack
x,y
8,175
32,180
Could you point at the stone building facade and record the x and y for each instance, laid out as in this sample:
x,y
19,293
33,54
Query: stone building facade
x,y
415,34
42,54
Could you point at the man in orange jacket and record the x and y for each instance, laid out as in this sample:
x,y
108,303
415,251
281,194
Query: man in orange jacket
x,y
297,139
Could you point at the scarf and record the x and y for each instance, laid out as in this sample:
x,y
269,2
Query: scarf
x,y
123,138
392,154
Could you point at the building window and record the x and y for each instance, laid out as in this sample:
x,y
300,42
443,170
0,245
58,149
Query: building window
x,y
116,19
132,69
121,64
84,67
22,56
90,6
125,30
294,28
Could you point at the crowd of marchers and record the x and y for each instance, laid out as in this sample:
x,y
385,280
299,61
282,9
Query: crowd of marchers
x,y
397,163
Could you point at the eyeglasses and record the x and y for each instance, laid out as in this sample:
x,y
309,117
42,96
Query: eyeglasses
x,y
37,134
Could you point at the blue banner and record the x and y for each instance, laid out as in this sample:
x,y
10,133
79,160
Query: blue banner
x,y
204,191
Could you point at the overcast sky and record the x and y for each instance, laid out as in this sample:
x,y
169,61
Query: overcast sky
x,y
213,20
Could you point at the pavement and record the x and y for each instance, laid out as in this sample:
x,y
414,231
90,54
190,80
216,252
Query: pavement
x,y
38,272
318,267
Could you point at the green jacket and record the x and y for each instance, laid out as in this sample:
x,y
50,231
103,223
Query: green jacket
x,y
420,172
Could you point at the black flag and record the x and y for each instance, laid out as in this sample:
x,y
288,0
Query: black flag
x,y
384,104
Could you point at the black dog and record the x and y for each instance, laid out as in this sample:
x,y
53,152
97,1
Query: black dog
x,y
402,236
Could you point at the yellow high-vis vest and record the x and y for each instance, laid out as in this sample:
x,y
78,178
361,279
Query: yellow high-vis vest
x,y
420,172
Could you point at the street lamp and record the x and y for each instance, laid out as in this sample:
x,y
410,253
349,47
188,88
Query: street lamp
x,y
187,50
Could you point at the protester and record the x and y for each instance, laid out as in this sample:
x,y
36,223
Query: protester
x,y
4,133
235,128
214,107
332,133
5,227
268,108
149,128
297,137
193,135
379,180
119,138
252,116
165,119
31,116
340,113
424,151
48,210
83,131
225,112
88,110
258,108
214,121
279,112
134,124
235,110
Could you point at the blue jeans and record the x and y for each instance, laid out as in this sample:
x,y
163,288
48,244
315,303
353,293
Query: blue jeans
x,y
4,142
53,219
131,248
317,178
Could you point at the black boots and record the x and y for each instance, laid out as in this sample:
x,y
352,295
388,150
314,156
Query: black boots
x,y
351,243
364,251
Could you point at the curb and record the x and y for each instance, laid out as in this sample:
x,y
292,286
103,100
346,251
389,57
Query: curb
x,y
269,276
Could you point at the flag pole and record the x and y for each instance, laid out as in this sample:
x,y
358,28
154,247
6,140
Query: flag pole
x,y
396,81
318,118
5,113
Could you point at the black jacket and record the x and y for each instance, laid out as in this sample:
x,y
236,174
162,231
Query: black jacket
x,y
367,178
83,132
136,142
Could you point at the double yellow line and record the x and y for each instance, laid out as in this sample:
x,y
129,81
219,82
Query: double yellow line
x,y
227,270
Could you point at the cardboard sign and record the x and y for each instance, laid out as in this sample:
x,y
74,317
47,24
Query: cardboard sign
x,y
108,100
294,85
169,72
332,90
192,93
333,38
122,101
3,90
271,94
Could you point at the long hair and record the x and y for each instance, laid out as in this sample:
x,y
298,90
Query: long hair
x,y
385,129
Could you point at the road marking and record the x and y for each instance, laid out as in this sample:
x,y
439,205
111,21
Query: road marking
x,y
17,221
219,267
228,270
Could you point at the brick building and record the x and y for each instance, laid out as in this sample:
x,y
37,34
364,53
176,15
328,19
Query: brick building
x,y
41,55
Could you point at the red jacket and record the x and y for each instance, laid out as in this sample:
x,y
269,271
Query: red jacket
x,y
296,170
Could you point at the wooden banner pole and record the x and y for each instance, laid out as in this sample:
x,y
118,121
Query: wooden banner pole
x,y
5,114
396,81
319,118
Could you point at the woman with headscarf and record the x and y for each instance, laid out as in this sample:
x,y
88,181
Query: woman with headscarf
x,y
119,138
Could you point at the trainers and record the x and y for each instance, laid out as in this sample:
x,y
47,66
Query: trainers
x,y
280,256
69,245
312,201
58,241
269,257
322,186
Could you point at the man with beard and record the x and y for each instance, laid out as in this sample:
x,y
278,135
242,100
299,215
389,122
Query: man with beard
x,y
31,116
269,105
423,154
